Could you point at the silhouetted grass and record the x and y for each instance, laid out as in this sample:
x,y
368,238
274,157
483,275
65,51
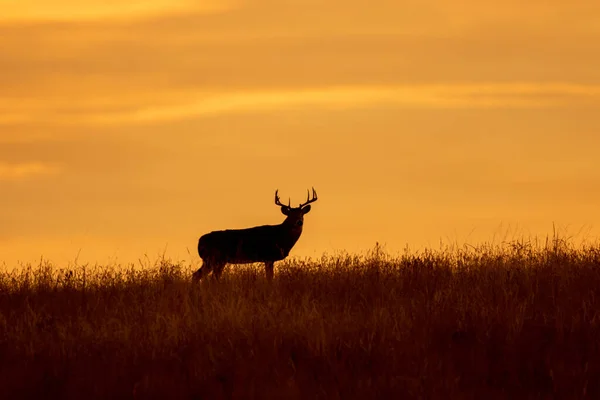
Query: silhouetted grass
x,y
517,321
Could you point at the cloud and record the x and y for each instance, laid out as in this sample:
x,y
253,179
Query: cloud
x,y
191,105
72,10
406,96
25,136
26,170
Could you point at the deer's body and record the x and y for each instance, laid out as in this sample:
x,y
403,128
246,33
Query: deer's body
x,y
266,243
243,246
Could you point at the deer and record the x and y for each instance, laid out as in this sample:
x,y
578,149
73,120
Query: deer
x,y
265,244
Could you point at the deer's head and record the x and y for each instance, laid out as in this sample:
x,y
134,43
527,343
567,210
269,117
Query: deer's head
x,y
295,215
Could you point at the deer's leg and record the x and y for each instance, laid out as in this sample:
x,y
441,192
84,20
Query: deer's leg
x,y
269,270
203,271
218,270
196,276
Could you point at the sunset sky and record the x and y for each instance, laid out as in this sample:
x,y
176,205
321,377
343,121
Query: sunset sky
x,y
133,127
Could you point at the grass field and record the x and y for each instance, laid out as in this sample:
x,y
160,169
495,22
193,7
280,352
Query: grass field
x,y
513,321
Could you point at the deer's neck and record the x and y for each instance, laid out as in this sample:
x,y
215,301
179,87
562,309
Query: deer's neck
x,y
291,231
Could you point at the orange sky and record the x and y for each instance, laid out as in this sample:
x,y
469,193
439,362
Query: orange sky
x,y
131,127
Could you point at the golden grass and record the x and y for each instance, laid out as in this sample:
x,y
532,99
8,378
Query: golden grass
x,y
517,321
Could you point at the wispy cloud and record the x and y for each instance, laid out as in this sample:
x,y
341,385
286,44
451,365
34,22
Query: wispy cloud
x,y
26,170
420,96
198,105
71,10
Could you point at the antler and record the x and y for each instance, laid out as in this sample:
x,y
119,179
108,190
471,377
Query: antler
x,y
279,202
308,199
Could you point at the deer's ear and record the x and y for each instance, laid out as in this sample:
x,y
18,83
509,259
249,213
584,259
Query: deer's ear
x,y
306,209
285,210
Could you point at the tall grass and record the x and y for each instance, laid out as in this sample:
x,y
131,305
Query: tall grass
x,y
514,321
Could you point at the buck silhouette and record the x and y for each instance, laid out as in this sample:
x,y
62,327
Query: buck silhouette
x,y
266,243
